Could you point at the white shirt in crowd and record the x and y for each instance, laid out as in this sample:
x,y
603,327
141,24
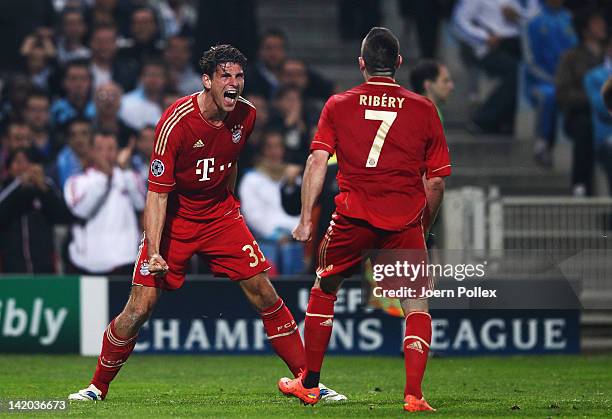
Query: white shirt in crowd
x,y
100,76
474,21
260,200
108,235
137,111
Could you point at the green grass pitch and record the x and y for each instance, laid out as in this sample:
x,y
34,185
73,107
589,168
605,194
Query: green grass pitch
x,y
245,386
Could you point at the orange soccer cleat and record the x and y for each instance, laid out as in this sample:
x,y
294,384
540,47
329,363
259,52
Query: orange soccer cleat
x,y
412,404
294,387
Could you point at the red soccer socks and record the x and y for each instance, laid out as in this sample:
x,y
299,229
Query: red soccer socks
x,y
317,332
284,336
416,349
115,352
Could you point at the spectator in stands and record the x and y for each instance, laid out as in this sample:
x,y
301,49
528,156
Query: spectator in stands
x,y
432,80
70,45
144,42
18,135
263,75
76,102
74,156
170,96
549,34
141,157
29,208
572,98
18,19
105,66
260,197
266,73
602,119
102,13
108,101
142,106
313,87
36,115
177,56
490,30
14,95
105,198
290,117
606,94
178,17
38,52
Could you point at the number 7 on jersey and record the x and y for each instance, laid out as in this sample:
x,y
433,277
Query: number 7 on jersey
x,y
387,119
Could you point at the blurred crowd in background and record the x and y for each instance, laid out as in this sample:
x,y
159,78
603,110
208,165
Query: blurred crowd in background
x,y
84,83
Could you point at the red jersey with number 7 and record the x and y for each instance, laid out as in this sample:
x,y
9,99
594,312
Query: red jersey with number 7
x,y
385,138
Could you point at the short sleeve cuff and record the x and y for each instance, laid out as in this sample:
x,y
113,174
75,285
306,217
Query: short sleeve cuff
x,y
319,145
161,187
439,171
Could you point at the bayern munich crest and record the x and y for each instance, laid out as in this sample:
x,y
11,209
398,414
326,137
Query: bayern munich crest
x,y
144,268
236,133
157,168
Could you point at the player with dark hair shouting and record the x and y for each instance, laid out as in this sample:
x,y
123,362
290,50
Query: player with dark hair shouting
x,y
191,208
392,160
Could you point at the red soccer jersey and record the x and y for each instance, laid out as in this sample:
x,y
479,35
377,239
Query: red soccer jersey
x,y
385,138
192,159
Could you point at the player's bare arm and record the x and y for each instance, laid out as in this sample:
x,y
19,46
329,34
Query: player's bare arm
x,y
434,191
154,219
312,185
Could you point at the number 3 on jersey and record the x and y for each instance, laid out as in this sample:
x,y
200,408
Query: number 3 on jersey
x,y
256,260
387,119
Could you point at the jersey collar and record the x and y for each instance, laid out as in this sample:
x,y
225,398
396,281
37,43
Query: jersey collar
x,y
382,80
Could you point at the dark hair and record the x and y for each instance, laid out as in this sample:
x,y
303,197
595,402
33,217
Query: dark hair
x,y
219,55
425,70
284,90
267,133
582,19
102,132
76,120
105,26
37,92
33,155
272,33
83,63
178,37
71,10
606,93
380,50
20,122
153,61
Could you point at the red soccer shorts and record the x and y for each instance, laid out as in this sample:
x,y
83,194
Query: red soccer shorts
x,y
225,243
348,240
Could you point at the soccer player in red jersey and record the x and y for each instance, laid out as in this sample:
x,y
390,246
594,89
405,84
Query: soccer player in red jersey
x,y
191,208
392,160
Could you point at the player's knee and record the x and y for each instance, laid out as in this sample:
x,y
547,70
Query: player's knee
x,y
139,313
328,285
410,305
267,299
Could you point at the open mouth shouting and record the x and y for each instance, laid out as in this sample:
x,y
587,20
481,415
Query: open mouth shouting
x,y
229,97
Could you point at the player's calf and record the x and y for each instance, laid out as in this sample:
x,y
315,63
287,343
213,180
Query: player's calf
x,y
416,343
118,341
280,326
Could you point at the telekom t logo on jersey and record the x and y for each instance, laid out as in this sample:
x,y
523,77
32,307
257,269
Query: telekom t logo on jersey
x,y
206,166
